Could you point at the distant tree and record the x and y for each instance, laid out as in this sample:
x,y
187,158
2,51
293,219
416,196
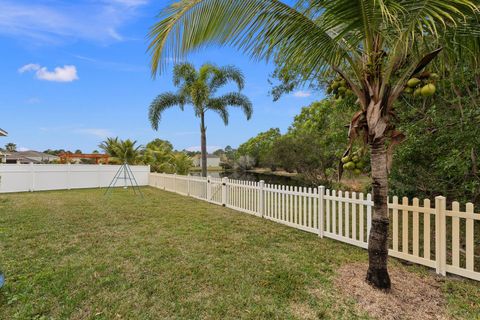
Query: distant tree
x,y
122,150
109,145
182,162
160,144
197,88
78,151
95,151
259,148
219,152
11,147
230,153
127,151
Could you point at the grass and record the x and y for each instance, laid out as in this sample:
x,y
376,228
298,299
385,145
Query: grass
x,y
78,255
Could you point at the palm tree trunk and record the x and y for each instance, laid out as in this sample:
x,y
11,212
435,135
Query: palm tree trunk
x,y
203,144
377,273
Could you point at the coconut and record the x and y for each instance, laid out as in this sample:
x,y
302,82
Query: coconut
x,y
417,92
342,89
360,165
346,159
434,76
357,171
355,158
413,82
350,165
335,85
428,90
408,90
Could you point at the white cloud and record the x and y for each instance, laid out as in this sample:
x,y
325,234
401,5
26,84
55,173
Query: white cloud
x,y
29,67
69,21
302,94
209,148
67,73
98,132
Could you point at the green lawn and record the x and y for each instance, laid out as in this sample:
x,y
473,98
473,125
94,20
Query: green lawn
x,y
78,255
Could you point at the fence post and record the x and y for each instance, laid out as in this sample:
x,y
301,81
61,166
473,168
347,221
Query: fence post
x,y
188,184
224,191
175,182
440,233
209,188
321,211
261,200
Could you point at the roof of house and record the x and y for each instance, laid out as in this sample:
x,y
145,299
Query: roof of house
x,y
3,132
32,153
29,154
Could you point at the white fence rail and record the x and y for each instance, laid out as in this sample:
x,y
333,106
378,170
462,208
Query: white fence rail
x,y
445,239
40,177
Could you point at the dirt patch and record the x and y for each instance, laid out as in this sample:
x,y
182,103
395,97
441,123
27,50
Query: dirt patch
x,y
411,296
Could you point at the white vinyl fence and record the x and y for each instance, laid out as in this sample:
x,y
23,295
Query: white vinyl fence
x,y
445,239
39,177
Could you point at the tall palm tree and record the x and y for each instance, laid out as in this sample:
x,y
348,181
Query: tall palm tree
x,y
374,45
198,88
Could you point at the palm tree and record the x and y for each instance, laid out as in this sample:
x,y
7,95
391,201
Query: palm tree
x,y
109,145
374,45
198,88
125,151
11,147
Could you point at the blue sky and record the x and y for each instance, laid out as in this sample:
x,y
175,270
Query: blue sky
x,y
76,72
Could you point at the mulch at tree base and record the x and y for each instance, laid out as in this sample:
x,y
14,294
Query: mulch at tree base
x,y
411,297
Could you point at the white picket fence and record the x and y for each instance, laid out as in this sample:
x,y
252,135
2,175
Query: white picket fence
x,y
41,177
437,237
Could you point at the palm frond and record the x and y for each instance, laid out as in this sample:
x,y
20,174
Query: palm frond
x,y
233,99
225,74
161,103
184,72
258,27
223,113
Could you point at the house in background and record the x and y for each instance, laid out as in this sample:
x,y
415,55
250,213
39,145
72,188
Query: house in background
x,y
30,156
212,160
3,133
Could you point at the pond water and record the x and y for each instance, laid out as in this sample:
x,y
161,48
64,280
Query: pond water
x,y
253,176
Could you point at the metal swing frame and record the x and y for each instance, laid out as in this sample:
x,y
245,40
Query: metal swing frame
x,y
127,175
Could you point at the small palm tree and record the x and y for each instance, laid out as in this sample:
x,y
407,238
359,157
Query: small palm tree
x,y
109,145
198,88
125,151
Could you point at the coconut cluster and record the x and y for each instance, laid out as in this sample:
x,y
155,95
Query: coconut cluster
x,y
339,88
423,86
353,163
